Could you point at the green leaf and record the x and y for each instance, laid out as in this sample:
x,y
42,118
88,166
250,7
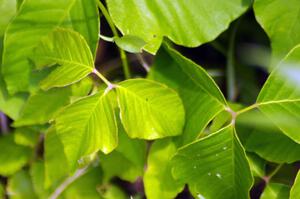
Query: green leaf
x,y
181,21
14,156
21,38
130,43
84,18
158,180
94,128
43,106
54,156
217,161
132,154
10,105
275,191
20,186
37,173
200,95
114,192
70,51
295,190
280,20
257,165
149,110
26,137
279,98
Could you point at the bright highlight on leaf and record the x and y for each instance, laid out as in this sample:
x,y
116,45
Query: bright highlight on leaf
x,y
70,51
149,110
87,126
279,99
181,21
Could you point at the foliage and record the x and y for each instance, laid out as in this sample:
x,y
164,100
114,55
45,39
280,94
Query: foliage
x,y
71,128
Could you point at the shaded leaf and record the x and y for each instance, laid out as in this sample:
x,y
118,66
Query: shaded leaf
x,y
199,93
295,190
158,180
43,106
217,160
13,156
20,186
275,191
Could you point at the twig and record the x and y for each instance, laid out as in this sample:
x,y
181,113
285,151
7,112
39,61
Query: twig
x,y
68,181
143,62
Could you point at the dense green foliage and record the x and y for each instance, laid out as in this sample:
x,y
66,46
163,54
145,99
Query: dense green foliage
x,y
73,129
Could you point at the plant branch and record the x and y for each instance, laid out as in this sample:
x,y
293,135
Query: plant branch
x,y
67,182
143,62
248,108
273,173
115,33
4,123
96,72
230,71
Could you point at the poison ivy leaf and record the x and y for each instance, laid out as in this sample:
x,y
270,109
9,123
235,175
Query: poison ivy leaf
x,y
181,21
20,186
10,105
84,18
26,137
275,191
158,180
217,160
13,157
281,22
54,156
130,43
257,165
132,154
149,110
81,88
200,95
21,38
43,106
37,173
114,192
295,191
70,51
93,129
273,146
279,98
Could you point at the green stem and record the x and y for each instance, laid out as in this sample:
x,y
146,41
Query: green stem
x,y
108,83
230,72
115,33
248,108
275,171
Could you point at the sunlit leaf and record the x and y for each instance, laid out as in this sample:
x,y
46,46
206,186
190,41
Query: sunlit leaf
x,y
130,43
275,191
149,110
295,190
70,51
181,21
87,126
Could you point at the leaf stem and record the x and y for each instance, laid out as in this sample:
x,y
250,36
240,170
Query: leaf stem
x,y
248,108
230,71
68,181
115,33
108,83
143,62
273,173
